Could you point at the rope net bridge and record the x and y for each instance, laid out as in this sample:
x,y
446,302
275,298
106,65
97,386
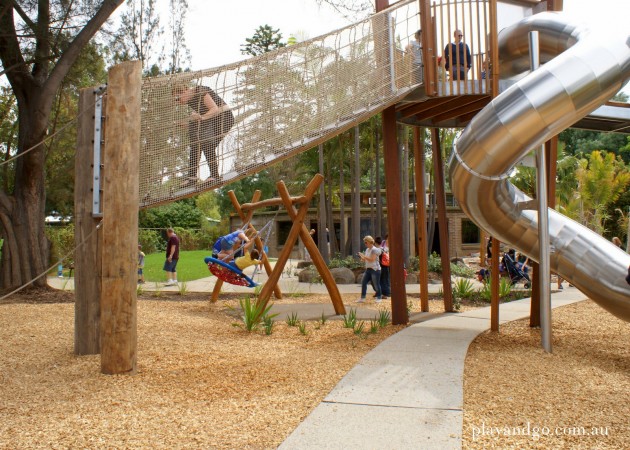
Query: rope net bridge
x,y
270,107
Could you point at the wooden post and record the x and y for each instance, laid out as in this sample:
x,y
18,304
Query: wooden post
x,y
246,217
265,293
421,202
316,256
87,262
440,197
494,285
428,48
393,180
494,48
120,220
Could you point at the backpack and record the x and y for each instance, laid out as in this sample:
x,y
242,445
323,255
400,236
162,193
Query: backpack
x,y
385,259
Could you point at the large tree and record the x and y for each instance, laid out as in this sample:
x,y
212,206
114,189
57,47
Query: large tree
x,y
39,43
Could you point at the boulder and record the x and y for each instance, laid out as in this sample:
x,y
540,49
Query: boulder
x,y
359,277
412,278
342,275
304,264
308,275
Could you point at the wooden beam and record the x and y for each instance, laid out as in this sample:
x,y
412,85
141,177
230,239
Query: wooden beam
x,y
494,285
87,238
246,217
429,60
440,196
421,207
393,183
475,105
120,220
316,256
270,202
274,277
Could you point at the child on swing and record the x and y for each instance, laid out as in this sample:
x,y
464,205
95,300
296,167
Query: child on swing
x,y
248,258
224,248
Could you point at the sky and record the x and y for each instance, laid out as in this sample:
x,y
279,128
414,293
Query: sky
x,y
217,28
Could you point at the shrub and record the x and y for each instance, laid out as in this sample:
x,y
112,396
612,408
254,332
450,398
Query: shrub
x,y
348,262
253,312
384,317
151,241
350,319
292,320
62,243
463,288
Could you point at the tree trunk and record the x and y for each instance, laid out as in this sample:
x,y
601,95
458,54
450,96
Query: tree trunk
x,y
356,198
342,203
403,145
322,241
379,200
27,252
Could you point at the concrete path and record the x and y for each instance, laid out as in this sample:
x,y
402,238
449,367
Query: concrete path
x,y
407,393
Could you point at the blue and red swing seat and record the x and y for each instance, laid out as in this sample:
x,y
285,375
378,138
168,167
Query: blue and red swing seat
x,y
228,273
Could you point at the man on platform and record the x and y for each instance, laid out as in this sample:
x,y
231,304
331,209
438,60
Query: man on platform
x,y
457,57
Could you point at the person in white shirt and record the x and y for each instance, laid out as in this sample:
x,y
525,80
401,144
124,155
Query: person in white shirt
x,y
372,269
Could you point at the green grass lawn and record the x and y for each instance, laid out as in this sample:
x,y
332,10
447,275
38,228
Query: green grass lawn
x,y
190,266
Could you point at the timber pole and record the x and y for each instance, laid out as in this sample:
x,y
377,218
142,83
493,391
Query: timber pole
x,y
120,220
88,238
421,202
440,197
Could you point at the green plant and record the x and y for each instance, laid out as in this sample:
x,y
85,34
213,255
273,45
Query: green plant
x,y
151,241
409,306
462,271
302,328
435,263
292,320
457,303
358,328
374,326
323,318
348,262
268,323
253,312
383,318
158,291
505,287
62,243
350,319
139,290
463,288
182,288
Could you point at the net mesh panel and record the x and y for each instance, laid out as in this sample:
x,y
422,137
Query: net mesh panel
x,y
281,103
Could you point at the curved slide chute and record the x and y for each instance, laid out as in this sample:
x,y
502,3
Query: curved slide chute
x,y
581,71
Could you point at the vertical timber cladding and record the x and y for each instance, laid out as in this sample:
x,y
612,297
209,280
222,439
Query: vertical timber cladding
x,y
87,264
120,220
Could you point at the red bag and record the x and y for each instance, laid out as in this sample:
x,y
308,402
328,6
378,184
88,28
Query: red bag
x,y
385,259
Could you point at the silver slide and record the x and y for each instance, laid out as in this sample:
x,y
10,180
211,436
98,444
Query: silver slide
x,y
581,71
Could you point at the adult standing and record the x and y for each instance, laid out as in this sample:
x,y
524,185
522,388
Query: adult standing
x,y
457,57
172,256
211,119
415,50
372,269
383,259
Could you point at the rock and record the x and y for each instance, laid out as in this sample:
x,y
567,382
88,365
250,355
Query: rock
x,y
342,275
308,275
359,277
412,278
458,261
304,264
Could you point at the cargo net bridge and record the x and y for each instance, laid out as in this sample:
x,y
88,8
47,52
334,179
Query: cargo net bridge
x,y
270,107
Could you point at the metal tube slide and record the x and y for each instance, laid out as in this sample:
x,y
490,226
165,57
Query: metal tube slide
x,y
581,72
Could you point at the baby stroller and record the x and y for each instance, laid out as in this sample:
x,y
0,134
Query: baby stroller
x,y
514,271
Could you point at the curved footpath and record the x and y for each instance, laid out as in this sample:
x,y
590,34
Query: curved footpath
x,y
407,393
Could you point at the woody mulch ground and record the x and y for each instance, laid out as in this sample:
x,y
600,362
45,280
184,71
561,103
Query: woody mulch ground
x,y
204,383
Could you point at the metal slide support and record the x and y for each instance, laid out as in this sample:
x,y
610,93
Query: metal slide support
x,y
543,220
97,210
